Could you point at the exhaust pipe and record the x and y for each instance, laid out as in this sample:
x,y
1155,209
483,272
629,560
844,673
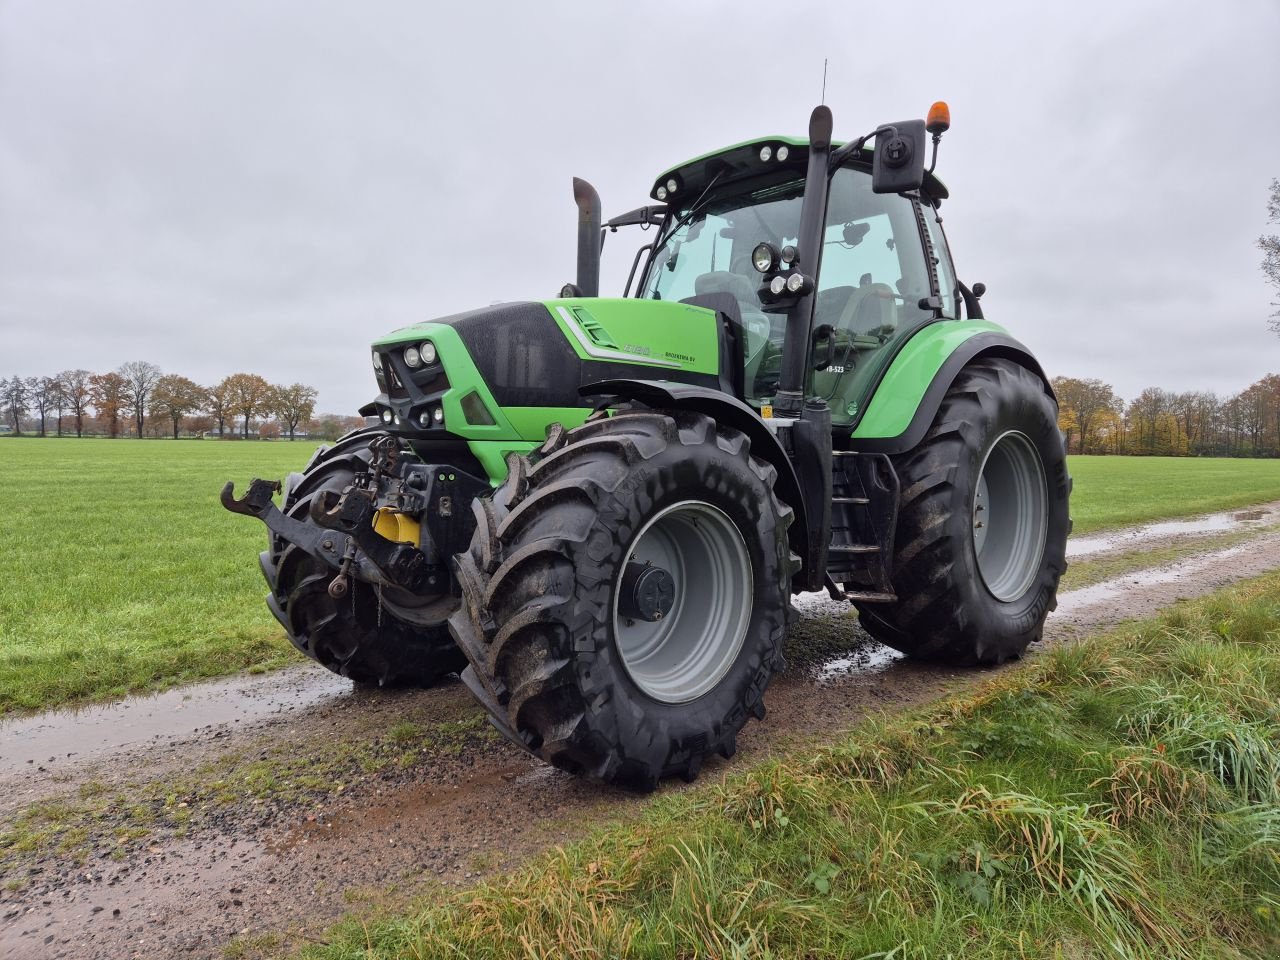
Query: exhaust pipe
x,y
589,227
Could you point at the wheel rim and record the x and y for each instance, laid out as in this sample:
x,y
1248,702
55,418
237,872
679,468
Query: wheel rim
x,y
1010,516
684,654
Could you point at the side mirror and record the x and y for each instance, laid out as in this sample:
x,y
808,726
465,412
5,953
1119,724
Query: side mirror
x,y
898,161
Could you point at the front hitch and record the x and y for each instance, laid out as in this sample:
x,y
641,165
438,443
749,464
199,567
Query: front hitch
x,y
333,545
352,512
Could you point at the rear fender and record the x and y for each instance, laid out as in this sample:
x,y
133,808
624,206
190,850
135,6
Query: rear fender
x,y
911,390
732,412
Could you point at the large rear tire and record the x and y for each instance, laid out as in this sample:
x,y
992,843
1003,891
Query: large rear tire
x,y
982,523
625,599
358,637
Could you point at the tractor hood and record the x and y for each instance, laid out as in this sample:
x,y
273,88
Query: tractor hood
x,y
504,373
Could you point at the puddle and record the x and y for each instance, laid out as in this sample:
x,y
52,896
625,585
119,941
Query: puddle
x,y
1212,523
867,660
72,735
1076,600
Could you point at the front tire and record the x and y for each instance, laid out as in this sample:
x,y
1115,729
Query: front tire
x,y
982,523
583,653
358,637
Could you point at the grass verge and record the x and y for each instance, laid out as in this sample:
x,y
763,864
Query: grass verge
x,y
1117,797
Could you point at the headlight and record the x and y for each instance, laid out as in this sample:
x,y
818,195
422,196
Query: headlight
x,y
377,361
673,185
798,283
783,153
386,416
766,152
661,193
438,414
777,285
428,352
764,257
412,358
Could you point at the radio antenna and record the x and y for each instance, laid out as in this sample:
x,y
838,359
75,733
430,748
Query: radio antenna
x,y
824,79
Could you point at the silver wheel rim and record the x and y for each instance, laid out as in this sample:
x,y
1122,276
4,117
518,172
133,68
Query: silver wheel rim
x,y
686,653
1010,517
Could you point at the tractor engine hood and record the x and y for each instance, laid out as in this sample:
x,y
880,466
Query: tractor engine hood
x,y
506,371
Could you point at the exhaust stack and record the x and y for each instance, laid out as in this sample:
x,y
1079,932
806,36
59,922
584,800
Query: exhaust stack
x,y
589,227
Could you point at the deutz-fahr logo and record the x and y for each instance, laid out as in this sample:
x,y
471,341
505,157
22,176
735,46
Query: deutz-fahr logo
x,y
678,356
637,349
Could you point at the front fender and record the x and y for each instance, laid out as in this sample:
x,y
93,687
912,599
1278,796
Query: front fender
x,y
908,396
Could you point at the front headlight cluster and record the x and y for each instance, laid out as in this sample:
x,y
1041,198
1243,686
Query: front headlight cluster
x,y
420,355
431,417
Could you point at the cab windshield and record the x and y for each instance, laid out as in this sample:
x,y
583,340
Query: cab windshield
x,y
872,278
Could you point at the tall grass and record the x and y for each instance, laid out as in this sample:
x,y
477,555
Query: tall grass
x,y
1119,797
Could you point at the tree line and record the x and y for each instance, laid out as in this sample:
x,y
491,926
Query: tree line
x,y
1157,422
125,400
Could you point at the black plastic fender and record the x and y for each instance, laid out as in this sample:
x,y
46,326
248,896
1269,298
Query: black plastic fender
x,y
666,394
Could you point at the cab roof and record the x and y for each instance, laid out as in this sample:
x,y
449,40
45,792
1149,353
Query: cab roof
x,y
744,160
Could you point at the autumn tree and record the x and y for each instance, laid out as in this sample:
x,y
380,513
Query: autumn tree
x,y
218,404
16,397
1269,244
174,397
75,390
1087,400
248,395
293,405
107,394
140,379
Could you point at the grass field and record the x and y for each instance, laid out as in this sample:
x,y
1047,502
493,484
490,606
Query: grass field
x,y
1119,797
1119,491
121,572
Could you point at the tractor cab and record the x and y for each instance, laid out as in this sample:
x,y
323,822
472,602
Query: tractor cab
x,y
884,270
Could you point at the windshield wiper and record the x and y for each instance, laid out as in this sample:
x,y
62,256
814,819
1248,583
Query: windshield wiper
x,y
694,208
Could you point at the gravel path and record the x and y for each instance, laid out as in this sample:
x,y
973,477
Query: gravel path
x,y
293,861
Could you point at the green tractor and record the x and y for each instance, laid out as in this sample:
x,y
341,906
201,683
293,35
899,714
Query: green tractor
x,y
598,510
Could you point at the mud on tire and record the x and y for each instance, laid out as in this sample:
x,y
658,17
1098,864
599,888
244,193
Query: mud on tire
x,y
958,603
357,637
540,582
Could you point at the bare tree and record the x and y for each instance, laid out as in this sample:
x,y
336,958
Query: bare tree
x,y
75,390
294,404
1269,244
249,396
175,397
42,392
140,379
16,400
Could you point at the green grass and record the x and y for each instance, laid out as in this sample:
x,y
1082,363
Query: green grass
x,y
1121,491
1119,797
120,571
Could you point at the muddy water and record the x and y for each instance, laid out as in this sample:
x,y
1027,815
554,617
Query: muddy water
x,y
95,731
1261,516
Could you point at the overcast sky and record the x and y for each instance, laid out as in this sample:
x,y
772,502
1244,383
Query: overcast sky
x,y
269,186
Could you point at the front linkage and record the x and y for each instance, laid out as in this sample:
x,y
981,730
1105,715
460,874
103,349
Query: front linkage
x,y
373,528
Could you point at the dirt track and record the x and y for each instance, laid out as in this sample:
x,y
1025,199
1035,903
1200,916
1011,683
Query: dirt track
x,y
466,805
